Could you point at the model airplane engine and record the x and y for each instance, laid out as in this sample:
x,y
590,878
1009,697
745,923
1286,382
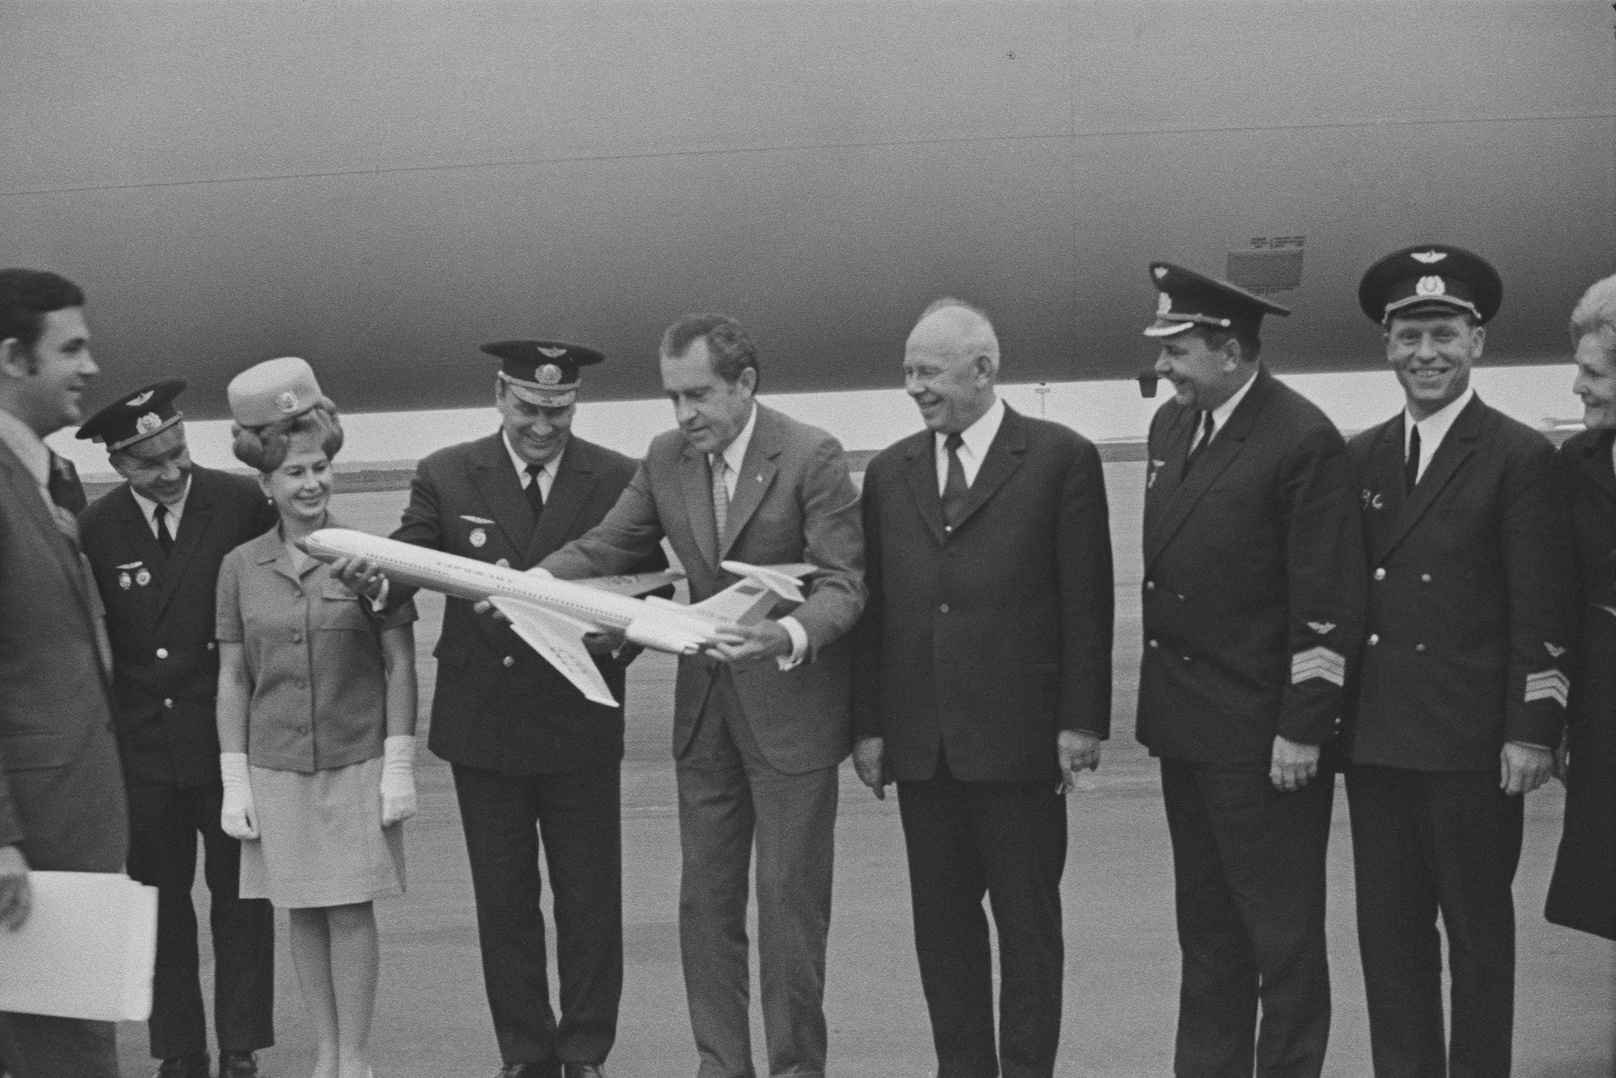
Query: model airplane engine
x,y
647,633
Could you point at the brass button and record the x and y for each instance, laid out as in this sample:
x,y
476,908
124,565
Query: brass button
x,y
509,660
1150,585
943,609
168,703
1374,638
1419,647
212,646
1380,574
162,653
1154,644
1425,578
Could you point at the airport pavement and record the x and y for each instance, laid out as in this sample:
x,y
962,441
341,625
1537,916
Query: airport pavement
x,y
1122,954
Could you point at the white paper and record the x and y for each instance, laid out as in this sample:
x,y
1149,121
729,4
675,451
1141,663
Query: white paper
x,y
86,951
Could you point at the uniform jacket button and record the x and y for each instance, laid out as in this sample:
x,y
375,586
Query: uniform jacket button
x,y
1425,578
162,653
297,637
212,646
942,608
1380,574
1154,644
1374,638
1419,647
509,660
1150,585
168,703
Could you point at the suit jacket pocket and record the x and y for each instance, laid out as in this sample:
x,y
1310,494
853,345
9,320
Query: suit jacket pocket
x,y
36,751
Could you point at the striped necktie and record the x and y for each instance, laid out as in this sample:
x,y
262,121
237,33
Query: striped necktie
x,y
720,497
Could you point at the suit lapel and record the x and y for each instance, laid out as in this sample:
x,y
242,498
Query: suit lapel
x,y
1450,456
193,526
757,473
575,481
697,482
495,479
921,469
24,492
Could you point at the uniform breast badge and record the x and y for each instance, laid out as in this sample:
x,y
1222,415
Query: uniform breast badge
x,y
478,538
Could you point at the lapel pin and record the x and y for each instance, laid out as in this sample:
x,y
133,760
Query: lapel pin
x,y
124,581
143,577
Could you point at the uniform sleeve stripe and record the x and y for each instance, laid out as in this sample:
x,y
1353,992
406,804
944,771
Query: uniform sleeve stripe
x,y
1548,685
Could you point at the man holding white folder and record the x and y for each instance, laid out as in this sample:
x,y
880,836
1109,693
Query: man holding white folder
x,y
61,792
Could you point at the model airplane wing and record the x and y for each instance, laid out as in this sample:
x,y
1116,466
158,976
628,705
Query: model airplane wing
x,y
559,640
633,583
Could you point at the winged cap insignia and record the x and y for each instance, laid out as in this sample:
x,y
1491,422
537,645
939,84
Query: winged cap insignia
x,y
1321,627
548,375
1431,286
553,353
147,423
1430,258
138,399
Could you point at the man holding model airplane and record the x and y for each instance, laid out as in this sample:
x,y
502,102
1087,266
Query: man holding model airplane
x,y
761,718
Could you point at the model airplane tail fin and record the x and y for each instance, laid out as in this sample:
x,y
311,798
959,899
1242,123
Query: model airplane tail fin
x,y
751,598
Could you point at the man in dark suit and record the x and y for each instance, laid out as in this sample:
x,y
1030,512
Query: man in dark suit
x,y
1462,696
982,684
61,794
155,544
760,722
528,750
1249,614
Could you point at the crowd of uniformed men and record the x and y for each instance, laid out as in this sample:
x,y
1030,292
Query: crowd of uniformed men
x,y
1428,608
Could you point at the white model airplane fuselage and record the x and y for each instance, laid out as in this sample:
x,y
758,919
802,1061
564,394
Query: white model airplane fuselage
x,y
553,616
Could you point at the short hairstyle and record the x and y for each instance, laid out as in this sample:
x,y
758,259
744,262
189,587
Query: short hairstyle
x,y
1596,313
1246,337
975,327
730,346
27,296
265,448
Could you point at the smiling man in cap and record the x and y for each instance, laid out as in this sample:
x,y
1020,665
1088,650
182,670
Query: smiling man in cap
x,y
1462,693
155,544
1249,612
527,749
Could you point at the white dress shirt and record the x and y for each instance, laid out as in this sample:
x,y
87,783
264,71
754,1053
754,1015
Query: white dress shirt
x,y
175,511
1433,428
547,470
1221,414
974,442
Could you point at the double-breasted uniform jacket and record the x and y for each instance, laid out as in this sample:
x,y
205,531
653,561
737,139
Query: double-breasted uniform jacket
x,y
1582,893
794,502
1252,592
987,640
498,705
160,617
1471,596
61,793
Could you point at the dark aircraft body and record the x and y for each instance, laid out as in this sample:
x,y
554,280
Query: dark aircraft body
x,y
379,186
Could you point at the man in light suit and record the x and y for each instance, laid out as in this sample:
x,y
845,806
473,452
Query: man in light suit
x,y
61,794
982,675
1472,609
155,544
761,722
1250,615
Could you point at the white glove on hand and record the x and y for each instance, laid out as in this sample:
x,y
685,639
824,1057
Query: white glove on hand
x,y
398,779
238,816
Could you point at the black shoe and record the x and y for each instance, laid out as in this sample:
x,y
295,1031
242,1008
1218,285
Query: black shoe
x,y
238,1065
192,1066
528,1070
582,1070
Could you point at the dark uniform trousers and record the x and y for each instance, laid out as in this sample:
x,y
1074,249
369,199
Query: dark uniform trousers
x,y
1248,863
1005,841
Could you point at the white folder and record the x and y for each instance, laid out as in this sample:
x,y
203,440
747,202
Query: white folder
x,y
87,949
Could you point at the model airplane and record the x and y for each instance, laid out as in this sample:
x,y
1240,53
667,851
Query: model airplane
x,y
553,616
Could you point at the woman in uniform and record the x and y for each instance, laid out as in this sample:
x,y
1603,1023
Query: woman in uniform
x,y
317,701
1582,893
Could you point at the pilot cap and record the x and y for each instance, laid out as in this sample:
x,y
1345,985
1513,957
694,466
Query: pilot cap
x,y
140,415
273,390
544,373
1189,299
1431,275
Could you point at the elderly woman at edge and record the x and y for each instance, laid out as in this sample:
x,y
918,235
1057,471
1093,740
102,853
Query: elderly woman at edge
x,y
317,702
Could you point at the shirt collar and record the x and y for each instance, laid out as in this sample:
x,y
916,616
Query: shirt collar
x,y
1434,427
1221,414
520,465
21,440
979,435
734,453
175,511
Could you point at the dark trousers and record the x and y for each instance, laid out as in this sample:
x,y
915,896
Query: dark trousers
x,y
1425,842
576,814
1248,864
44,1046
164,821
730,798
1005,841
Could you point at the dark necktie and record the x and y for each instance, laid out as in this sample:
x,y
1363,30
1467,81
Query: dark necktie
x,y
535,493
64,486
1411,463
164,538
1203,439
955,488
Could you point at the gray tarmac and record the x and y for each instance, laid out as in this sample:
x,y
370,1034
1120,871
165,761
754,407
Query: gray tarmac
x,y
1122,952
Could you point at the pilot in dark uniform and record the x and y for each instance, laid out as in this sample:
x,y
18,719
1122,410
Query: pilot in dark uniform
x,y
1462,693
528,750
155,544
1251,602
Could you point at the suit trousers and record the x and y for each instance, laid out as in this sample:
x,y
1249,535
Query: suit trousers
x,y
44,1046
576,814
1423,843
1005,841
1248,866
164,821
729,799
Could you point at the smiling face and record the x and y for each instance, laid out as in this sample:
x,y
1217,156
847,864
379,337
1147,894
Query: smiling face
x,y
1595,382
301,487
948,379
1432,354
158,467
536,433
48,379
1202,376
710,411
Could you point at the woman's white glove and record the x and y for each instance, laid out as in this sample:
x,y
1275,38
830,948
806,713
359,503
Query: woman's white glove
x,y
398,779
238,816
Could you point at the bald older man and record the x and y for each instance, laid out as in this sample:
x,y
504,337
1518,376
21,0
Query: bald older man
x,y
982,676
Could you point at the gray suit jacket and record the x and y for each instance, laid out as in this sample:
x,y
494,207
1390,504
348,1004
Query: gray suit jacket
x,y
61,790
794,502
